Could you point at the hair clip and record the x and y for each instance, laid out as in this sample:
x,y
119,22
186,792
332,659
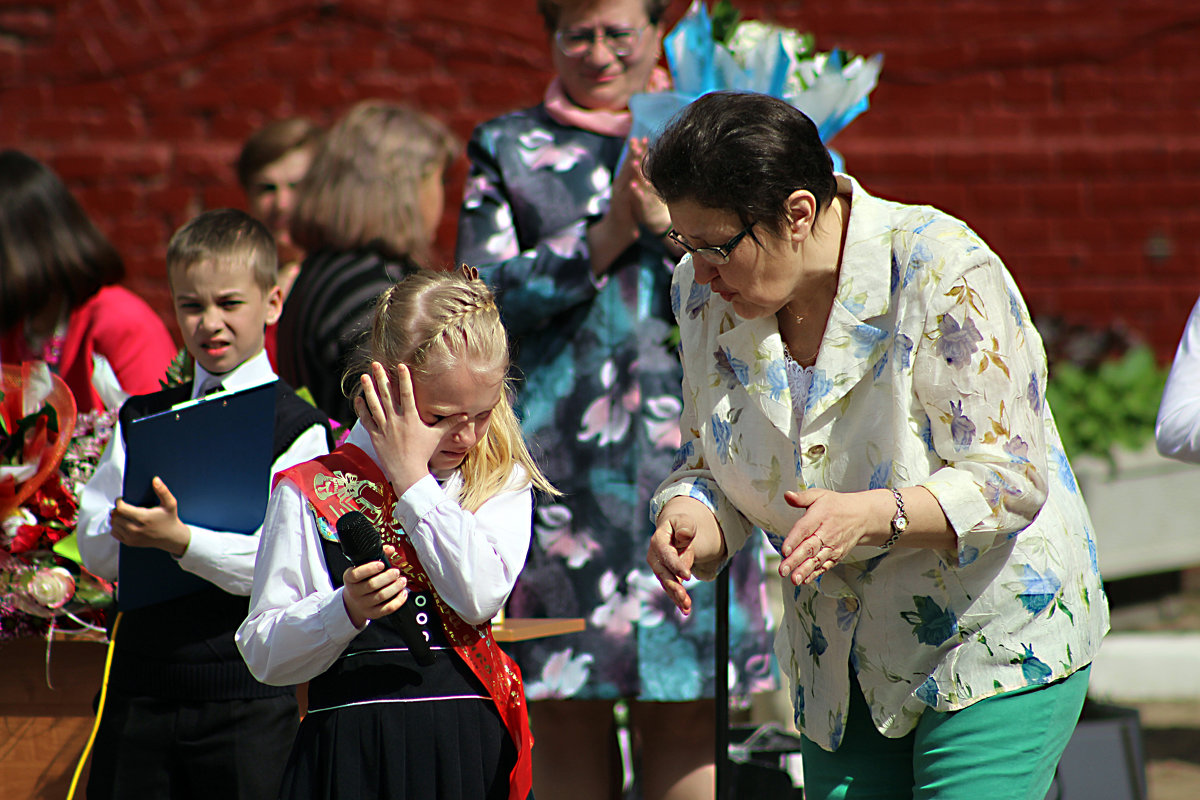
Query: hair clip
x,y
469,272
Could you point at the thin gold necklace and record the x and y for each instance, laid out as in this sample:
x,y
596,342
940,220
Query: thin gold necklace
x,y
799,321
800,361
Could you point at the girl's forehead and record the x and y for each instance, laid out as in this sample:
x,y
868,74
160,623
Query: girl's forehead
x,y
459,388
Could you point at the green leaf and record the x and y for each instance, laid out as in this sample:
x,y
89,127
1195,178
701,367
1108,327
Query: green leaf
x,y
304,394
1115,403
725,19
179,371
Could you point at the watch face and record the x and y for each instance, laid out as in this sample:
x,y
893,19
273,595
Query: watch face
x,y
900,523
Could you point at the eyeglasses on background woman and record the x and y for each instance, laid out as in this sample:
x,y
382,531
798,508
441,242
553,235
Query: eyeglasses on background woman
x,y
620,40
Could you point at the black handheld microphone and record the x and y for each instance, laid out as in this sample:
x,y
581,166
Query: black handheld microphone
x,y
362,545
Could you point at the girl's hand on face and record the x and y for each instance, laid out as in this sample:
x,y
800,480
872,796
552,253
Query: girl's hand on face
x,y
402,440
372,590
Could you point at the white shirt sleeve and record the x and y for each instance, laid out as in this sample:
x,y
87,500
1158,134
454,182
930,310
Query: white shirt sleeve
x,y
98,549
472,559
224,558
1177,431
298,625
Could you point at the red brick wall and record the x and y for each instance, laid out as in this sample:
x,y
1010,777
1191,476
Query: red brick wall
x,y
1066,131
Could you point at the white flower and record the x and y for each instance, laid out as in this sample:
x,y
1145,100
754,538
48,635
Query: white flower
x,y
19,472
562,676
618,612
45,591
557,537
37,389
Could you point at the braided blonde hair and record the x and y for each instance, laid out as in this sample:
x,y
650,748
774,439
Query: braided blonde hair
x,y
433,322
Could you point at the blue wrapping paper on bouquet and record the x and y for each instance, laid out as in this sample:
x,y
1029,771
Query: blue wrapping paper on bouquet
x,y
757,57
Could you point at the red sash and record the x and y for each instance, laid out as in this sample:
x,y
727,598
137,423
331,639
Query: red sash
x,y
348,480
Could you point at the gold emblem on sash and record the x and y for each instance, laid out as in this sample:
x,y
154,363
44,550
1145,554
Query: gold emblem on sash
x,y
346,491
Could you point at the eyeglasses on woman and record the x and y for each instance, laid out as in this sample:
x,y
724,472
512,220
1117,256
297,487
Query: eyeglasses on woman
x,y
718,254
621,40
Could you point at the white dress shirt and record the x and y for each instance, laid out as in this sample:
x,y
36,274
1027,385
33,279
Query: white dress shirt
x,y
298,624
224,558
1177,431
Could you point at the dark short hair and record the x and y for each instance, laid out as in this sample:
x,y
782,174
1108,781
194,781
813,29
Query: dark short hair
x,y
49,247
229,237
741,152
551,10
272,142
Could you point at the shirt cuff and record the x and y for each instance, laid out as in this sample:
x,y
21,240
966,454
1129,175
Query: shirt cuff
x,y
209,557
335,619
965,507
419,500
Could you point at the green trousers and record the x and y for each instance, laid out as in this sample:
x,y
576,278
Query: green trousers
x,y
1003,748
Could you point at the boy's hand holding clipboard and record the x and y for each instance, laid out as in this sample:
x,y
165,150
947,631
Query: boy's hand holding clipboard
x,y
211,457
159,526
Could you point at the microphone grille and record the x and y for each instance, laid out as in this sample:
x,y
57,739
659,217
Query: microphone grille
x,y
358,536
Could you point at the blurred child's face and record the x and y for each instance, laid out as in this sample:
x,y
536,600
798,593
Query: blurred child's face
x,y
271,194
222,313
457,391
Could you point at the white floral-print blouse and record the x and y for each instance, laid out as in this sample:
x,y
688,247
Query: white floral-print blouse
x,y
930,373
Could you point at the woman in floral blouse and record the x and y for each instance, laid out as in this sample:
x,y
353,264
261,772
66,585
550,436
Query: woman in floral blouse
x,y
862,381
575,247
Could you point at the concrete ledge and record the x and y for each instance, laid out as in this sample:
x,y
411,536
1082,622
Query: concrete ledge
x,y
1141,667
1143,512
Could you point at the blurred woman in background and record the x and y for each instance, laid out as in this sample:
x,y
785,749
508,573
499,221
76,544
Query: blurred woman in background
x,y
573,240
59,298
366,214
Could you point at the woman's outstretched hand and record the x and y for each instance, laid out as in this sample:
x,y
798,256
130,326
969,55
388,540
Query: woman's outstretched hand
x,y
402,440
687,534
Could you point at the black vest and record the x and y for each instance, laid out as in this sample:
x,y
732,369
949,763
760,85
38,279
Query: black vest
x,y
183,649
376,665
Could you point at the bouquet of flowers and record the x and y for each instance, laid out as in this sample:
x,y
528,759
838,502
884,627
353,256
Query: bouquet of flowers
x,y
722,51
47,453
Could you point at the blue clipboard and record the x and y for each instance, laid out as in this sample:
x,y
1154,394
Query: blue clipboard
x,y
215,456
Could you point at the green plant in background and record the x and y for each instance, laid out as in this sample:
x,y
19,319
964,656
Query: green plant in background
x,y
1112,403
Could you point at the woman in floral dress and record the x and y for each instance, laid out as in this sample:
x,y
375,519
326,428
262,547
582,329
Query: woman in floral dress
x,y
575,247
865,385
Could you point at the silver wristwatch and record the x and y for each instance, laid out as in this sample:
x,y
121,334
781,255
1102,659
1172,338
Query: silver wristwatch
x,y
899,521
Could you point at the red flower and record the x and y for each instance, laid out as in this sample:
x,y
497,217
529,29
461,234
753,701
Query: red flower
x,y
28,538
53,503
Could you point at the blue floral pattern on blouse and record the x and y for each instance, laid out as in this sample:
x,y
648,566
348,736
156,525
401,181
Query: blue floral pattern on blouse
x,y
930,373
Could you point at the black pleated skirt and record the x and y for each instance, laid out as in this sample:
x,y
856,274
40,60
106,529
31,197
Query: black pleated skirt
x,y
446,749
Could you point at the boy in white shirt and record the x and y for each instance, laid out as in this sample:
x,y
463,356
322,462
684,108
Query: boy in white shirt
x,y
183,715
